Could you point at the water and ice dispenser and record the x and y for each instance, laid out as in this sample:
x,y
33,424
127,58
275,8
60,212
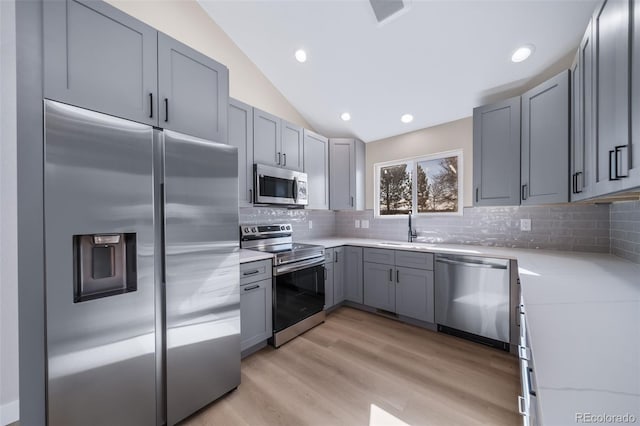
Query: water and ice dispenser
x,y
104,265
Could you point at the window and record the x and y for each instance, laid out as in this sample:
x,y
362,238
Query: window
x,y
423,185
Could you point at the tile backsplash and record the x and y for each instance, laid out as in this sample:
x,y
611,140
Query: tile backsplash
x,y
562,227
323,221
625,230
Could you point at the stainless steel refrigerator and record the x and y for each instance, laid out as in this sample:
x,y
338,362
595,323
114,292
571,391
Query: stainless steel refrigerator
x,y
142,277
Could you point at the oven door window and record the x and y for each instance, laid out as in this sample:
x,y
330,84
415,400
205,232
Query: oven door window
x,y
299,295
276,187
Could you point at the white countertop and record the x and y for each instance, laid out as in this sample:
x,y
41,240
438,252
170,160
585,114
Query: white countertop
x,y
247,255
583,318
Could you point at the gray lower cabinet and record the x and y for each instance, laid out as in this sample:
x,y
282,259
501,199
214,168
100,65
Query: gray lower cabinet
x,y
545,142
353,278
346,174
99,58
415,293
328,284
241,136
316,166
277,142
193,91
496,154
255,313
379,286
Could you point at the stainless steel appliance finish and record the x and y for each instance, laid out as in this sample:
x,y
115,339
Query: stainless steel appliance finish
x,y
298,279
472,295
274,185
108,177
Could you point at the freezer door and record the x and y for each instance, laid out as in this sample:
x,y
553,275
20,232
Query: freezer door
x,y
202,272
99,269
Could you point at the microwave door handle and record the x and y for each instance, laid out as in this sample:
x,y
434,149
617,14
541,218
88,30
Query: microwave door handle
x,y
295,189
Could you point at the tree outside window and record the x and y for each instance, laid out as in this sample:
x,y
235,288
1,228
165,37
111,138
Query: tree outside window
x,y
424,185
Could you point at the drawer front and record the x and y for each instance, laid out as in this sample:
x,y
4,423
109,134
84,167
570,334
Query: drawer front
x,y
255,271
384,256
413,259
329,255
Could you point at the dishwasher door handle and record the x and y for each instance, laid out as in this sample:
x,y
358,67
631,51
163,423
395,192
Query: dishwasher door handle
x,y
471,264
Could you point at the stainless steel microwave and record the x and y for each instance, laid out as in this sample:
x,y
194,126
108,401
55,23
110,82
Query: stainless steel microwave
x,y
274,185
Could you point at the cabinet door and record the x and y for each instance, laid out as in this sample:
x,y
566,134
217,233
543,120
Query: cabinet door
x,y
316,166
241,136
338,275
545,142
582,132
99,58
414,293
193,91
353,279
496,154
611,35
292,146
266,138
255,313
634,172
379,286
328,285
342,177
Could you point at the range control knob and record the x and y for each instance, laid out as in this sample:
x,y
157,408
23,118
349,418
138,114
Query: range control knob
x,y
254,229
288,227
282,227
246,230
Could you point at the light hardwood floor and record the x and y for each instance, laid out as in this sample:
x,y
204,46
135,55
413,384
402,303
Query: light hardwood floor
x,y
362,369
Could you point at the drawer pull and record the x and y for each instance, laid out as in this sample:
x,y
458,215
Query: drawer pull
x,y
523,352
253,287
250,273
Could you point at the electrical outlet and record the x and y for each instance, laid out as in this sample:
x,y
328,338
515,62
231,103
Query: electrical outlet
x,y
525,224
310,224
365,223
357,223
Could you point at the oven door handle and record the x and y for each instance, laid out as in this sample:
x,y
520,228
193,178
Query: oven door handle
x,y
292,267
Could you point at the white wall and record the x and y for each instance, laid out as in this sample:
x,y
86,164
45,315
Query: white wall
x,y
8,219
187,21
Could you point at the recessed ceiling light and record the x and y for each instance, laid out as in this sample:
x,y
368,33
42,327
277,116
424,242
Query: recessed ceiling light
x,y
407,118
301,55
522,53
345,116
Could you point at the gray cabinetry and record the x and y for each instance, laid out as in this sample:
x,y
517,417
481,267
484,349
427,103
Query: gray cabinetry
x,y
99,58
415,293
496,153
353,279
316,166
634,172
241,136
346,176
611,90
267,130
292,146
328,282
193,91
379,286
338,275
545,142
386,256
255,303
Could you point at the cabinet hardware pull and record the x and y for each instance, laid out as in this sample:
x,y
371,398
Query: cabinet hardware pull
x,y
531,391
253,287
524,192
279,158
618,150
284,156
335,256
391,275
251,196
397,275
250,273
150,105
613,170
166,110
578,191
352,201
477,192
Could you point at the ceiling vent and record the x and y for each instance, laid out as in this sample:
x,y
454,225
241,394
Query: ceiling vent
x,y
385,9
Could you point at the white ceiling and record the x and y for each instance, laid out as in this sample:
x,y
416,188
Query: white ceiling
x,y
437,61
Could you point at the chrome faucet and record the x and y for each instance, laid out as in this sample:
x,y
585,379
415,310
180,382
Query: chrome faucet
x,y
412,232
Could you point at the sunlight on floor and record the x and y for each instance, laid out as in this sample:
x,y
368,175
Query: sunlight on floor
x,y
379,417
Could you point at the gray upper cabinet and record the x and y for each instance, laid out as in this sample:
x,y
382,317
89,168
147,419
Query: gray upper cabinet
x,y
612,144
634,168
316,166
99,58
496,153
353,279
267,130
292,146
346,176
241,136
339,267
582,131
379,286
193,91
415,293
545,142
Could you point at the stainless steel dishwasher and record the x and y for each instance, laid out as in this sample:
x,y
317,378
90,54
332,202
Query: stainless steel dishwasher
x,y
472,298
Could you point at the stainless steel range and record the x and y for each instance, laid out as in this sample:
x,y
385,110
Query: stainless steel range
x,y
298,279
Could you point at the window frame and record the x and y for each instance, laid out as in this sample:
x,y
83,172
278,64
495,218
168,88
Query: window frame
x,y
413,162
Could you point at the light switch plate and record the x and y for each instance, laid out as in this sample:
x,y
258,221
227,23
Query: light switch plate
x,y
365,223
525,224
357,223
310,224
